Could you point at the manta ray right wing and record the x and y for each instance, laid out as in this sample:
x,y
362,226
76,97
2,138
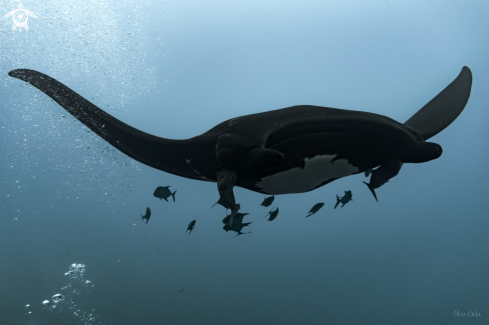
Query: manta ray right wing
x,y
430,120
442,110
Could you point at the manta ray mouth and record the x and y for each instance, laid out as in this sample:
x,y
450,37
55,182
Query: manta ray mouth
x,y
315,172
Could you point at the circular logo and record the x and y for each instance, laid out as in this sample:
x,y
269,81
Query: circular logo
x,y
20,17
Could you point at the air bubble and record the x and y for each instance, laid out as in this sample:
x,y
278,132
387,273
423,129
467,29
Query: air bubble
x,y
57,297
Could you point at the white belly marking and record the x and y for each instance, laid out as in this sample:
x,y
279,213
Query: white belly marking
x,y
316,171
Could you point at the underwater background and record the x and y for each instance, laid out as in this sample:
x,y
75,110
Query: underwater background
x,y
69,202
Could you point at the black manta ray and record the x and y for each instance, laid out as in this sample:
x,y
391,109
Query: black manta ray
x,y
291,150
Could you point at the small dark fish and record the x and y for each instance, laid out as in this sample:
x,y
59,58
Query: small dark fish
x,y
237,224
381,175
372,189
315,209
181,290
268,201
157,248
344,200
191,227
163,192
273,214
147,215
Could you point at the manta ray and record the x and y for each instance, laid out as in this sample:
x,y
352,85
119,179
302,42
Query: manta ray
x,y
290,150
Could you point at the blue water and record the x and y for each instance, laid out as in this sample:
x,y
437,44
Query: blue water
x,y
177,68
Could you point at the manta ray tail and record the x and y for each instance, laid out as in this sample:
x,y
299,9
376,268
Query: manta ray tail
x,y
442,110
371,188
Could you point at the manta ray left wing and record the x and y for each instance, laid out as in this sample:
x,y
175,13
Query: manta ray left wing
x,y
160,153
